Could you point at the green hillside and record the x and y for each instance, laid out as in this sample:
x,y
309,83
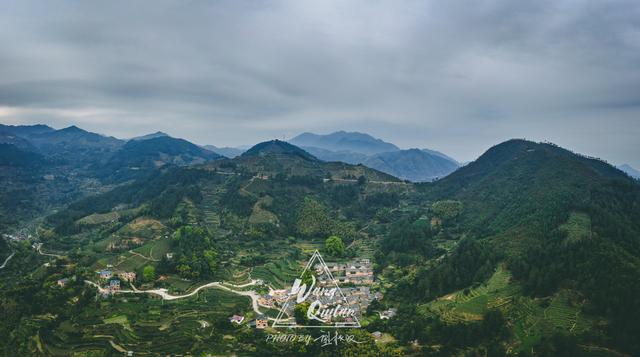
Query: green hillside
x,y
530,250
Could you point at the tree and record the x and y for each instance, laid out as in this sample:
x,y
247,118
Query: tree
x,y
334,246
149,273
300,312
447,209
313,218
210,256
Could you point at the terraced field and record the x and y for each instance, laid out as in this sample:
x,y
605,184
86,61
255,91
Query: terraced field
x,y
145,326
530,318
209,206
279,273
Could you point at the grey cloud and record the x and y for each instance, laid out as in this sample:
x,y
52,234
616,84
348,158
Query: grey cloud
x,y
449,75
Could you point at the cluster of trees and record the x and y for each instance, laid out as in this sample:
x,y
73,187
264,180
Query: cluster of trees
x,y
484,337
472,262
195,256
313,220
162,192
237,203
409,241
447,209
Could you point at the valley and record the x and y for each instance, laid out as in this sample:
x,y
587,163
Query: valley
x,y
504,257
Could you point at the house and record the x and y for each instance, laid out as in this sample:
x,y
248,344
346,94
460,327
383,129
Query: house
x,y
114,285
386,315
280,296
237,319
169,255
376,334
266,300
105,274
262,321
128,276
63,282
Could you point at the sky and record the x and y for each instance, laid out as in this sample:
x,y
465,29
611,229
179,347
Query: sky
x,y
455,76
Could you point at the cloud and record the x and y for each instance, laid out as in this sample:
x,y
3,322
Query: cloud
x,y
441,74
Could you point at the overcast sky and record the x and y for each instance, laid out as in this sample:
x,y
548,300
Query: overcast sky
x,y
448,75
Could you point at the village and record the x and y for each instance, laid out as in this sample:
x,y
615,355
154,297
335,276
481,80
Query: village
x,y
354,278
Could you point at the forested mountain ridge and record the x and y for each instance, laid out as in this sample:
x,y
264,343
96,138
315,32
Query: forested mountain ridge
x,y
277,147
529,248
557,219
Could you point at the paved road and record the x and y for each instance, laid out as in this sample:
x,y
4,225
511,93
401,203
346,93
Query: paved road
x,y
215,285
7,260
39,249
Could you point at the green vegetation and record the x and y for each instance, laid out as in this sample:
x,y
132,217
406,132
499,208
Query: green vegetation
x,y
334,246
529,248
149,273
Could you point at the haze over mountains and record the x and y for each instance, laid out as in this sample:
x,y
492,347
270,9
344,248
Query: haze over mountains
x,y
359,148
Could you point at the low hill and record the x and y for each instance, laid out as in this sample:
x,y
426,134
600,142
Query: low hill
x,y
278,147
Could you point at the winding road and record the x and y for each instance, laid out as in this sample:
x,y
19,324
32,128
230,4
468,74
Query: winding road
x,y
7,260
39,250
215,285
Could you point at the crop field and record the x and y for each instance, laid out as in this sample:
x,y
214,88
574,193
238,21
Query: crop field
x,y
155,249
260,214
279,273
578,226
99,218
531,318
144,325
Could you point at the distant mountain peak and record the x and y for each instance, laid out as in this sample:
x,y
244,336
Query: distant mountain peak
x,y
345,141
278,147
157,134
72,129
630,170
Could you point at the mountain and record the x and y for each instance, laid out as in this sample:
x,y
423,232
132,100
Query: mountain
x,y
531,249
558,220
26,130
225,151
157,134
344,141
629,170
137,157
438,153
358,148
7,137
75,145
413,164
11,155
349,157
277,147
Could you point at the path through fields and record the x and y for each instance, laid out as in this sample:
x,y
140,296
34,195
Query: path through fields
x,y
7,260
214,285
